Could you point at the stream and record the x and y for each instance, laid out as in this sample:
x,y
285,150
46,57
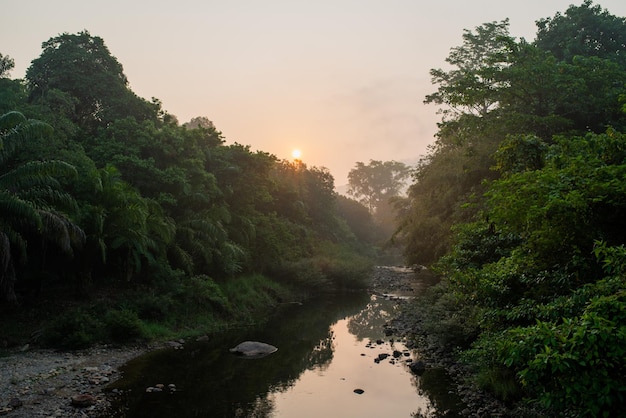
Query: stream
x,y
333,360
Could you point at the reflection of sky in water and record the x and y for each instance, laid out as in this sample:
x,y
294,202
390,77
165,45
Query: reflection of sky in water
x,y
326,390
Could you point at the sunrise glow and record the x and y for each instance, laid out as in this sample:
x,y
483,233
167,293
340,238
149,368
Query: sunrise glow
x,y
296,154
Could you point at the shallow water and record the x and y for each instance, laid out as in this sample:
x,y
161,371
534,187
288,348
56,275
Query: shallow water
x,y
327,349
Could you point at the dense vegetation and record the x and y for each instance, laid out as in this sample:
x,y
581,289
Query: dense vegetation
x,y
106,198
520,205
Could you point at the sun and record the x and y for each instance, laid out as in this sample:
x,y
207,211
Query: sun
x,y
296,154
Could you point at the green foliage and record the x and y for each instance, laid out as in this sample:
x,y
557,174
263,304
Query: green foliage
x,y
81,65
471,86
533,273
575,364
512,96
202,293
377,182
73,329
33,206
332,267
171,225
6,64
585,30
123,325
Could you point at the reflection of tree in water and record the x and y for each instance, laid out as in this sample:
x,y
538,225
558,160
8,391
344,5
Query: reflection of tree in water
x,y
370,321
260,408
435,385
213,382
322,354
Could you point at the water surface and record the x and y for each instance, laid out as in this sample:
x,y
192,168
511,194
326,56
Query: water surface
x,y
327,349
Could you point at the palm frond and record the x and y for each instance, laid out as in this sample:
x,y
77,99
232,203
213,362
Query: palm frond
x,y
15,129
5,252
21,211
49,199
62,232
10,120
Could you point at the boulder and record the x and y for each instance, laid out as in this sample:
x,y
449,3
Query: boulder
x,y
418,367
253,349
83,400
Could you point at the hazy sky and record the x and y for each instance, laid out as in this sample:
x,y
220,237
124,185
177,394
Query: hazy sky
x,y
343,80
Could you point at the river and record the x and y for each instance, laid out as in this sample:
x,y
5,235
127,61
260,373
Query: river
x,y
328,350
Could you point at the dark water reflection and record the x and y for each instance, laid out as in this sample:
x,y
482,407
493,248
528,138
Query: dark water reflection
x,y
325,352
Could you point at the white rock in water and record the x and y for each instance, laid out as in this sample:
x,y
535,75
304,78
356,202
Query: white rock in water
x,y
253,349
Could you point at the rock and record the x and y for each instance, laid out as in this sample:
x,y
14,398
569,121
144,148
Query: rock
x,y
4,411
202,338
397,354
382,356
175,345
359,391
253,349
15,403
83,400
418,367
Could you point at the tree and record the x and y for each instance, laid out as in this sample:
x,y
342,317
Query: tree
x,y
30,202
472,86
6,64
377,182
584,30
199,122
82,66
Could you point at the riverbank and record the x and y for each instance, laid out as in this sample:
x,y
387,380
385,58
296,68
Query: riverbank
x,y
42,383
47,383
408,324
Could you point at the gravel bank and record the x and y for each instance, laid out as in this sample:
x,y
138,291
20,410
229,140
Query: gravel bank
x,y
46,383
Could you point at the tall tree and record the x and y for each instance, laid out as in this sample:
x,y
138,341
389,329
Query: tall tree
x,y
471,86
82,66
586,30
30,202
6,64
377,182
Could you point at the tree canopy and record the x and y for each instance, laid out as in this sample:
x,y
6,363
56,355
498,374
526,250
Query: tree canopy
x,y
148,200
519,206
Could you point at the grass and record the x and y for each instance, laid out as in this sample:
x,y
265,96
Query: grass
x,y
195,306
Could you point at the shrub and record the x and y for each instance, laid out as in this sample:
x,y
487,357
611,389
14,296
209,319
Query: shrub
x,y
123,325
73,330
202,293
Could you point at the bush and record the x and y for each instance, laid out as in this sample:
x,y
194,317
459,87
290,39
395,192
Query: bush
x,y
202,293
74,329
154,307
123,325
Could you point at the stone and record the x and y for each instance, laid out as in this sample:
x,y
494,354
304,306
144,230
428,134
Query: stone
x,y
15,403
418,367
253,349
359,391
83,400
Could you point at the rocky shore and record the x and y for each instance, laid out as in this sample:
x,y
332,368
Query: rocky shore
x,y
46,383
390,281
